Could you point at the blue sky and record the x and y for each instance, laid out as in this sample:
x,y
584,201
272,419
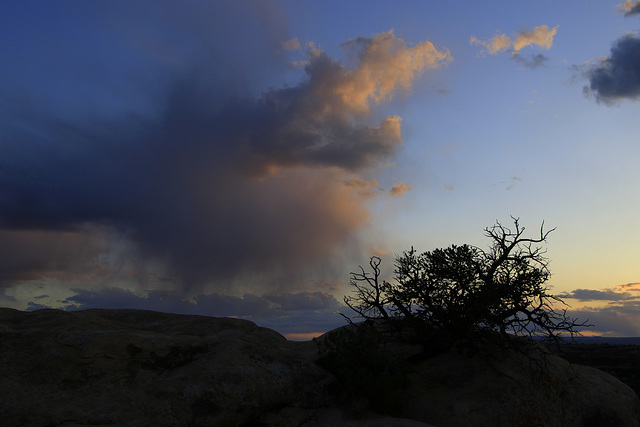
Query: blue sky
x,y
241,158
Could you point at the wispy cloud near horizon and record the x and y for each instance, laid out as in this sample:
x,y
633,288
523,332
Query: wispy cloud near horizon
x,y
610,310
287,313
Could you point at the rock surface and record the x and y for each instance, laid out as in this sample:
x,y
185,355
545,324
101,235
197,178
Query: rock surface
x,y
509,389
620,360
140,368
490,385
131,367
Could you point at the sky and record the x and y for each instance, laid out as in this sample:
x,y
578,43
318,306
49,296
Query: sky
x,y
242,158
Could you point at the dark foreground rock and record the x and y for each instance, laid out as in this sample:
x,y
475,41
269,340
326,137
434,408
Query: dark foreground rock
x,y
130,367
140,368
523,384
533,389
619,360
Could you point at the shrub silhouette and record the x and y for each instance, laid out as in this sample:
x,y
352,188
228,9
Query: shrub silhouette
x,y
371,377
452,293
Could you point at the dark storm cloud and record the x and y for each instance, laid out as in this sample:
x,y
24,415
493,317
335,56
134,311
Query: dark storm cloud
x,y
617,76
204,174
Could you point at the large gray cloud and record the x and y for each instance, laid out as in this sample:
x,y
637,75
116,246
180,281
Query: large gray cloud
x,y
204,175
617,77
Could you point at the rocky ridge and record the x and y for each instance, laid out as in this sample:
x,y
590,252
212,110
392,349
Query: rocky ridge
x,y
139,368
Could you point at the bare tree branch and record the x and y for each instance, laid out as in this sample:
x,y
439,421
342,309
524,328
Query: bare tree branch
x,y
462,288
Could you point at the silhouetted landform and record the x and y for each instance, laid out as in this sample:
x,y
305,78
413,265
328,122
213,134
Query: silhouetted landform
x,y
619,357
608,340
138,368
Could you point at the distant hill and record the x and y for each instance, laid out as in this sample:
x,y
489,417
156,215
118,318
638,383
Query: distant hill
x,y
608,340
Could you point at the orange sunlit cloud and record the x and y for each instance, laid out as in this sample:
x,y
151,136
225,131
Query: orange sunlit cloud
x,y
629,7
629,287
387,64
400,188
541,36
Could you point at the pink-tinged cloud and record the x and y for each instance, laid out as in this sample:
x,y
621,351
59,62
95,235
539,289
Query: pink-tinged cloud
x,y
629,7
386,64
399,189
616,319
620,316
627,291
629,287
541,36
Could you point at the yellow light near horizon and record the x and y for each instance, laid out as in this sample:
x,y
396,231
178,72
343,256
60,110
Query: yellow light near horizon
x,y
305,336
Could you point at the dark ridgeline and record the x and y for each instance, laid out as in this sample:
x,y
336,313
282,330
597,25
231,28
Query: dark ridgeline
x,y
618,356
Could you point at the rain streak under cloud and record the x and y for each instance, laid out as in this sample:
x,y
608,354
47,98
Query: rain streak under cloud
x,y
210,190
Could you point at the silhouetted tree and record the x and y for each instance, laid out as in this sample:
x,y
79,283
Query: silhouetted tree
x,y
462,289
371,296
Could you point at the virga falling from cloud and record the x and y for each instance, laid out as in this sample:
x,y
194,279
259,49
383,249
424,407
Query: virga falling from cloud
x,y
213,186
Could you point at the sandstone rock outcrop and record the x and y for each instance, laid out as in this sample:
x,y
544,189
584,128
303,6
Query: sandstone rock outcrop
x,y
141,368
131,367
499,388
492,385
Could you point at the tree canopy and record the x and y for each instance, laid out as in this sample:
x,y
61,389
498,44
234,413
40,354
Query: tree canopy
x,y
461,289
